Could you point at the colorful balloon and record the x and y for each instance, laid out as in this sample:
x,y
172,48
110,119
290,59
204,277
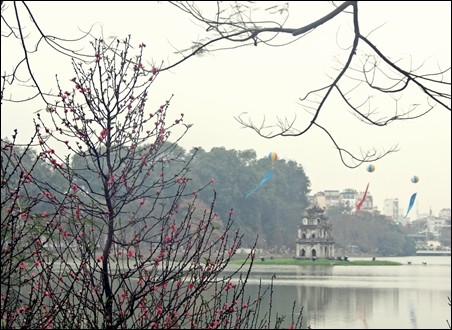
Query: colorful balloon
x,y
273,156
370,168
415,179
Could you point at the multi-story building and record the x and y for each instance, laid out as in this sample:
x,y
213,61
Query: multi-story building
x,y
347,198
391,208
327,198
444,213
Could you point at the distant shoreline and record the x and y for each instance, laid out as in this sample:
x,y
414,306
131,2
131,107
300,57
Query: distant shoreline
x,y
316,262
432,253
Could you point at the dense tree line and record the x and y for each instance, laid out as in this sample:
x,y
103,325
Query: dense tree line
x,y
273,212
369,233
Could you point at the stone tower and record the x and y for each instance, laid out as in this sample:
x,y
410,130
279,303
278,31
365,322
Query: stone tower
x,y
314,235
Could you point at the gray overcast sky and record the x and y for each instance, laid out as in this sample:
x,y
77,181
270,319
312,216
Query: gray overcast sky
x,y
262,81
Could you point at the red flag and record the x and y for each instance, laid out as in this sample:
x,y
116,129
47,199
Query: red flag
x,y
358,206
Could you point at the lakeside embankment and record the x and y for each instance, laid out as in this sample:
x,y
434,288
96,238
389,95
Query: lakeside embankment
x,y
316,262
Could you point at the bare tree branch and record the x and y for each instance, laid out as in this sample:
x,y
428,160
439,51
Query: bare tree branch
x,y
369,67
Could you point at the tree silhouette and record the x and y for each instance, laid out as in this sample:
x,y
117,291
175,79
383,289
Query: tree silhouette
x,y
362,73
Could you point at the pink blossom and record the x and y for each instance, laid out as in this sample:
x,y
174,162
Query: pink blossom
x,y
146,312
231,212
23,309
229,286
103,134
27,177
45,214
142,303
22,265
131,252
49,323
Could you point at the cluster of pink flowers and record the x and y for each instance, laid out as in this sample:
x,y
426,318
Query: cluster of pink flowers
x,y
103,134
229,286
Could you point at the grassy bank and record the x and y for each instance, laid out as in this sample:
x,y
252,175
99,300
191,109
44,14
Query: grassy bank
x,y
319,262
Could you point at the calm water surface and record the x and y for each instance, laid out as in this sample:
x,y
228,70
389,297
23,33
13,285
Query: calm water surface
x,y
411,296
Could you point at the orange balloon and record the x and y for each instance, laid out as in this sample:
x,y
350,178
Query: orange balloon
x,y
273,156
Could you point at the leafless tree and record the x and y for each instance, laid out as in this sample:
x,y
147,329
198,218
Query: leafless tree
x,y
365,72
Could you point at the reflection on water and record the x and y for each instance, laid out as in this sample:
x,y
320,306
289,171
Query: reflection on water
x,y
411,296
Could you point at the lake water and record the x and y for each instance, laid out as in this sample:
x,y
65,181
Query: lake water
x,y
410,296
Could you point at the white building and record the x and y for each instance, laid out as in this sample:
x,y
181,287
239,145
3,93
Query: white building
x,y
391,208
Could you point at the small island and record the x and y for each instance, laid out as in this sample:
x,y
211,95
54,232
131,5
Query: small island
x,y
314,246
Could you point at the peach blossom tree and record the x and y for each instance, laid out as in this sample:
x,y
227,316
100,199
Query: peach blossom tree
x,y
111,235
